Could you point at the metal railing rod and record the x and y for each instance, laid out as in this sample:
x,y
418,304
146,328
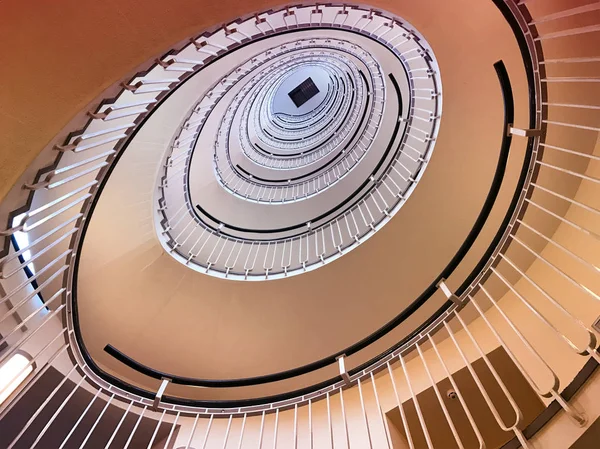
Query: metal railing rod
x,y
172,430
522,338
572,105
118,426
30,245
178,69
104,131
193,430
546,321
37,255
380,411
364,412
411,445
116,107
23,321
145,81
580,286
570,60
226,438
53,185
436,389
344,419
170,164
58,410
458,394
186,60
579,418
295,434
21,393
518,415
41,221
416,403
41,407
571,125
569,32
239,446
35,292
570,200
24,227
29,335
173,161
29,280
567,13
564,79
210,422
275,429
147,89
58,200
89,146
83,414
564,220
89,434
310,425
569,172
158,423
329,421
261,432
576,153
135,427
562,247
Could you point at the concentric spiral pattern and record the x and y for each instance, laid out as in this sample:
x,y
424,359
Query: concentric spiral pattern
x,y
257,187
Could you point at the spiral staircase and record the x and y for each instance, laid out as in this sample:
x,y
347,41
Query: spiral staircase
x,y
309,226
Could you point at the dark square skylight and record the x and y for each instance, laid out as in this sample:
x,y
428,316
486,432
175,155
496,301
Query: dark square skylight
x,y
303,92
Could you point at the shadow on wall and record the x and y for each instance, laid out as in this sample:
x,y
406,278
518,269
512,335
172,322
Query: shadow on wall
x,y
439,430
75,409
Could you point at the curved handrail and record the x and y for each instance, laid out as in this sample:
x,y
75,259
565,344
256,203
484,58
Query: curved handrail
x,y
91,206
126,394
312,388
338,210
492,195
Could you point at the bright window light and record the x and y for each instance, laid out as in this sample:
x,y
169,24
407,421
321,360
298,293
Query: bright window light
x,y
22,242
12,374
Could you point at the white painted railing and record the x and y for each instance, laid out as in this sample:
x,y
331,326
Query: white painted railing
x,y
348,412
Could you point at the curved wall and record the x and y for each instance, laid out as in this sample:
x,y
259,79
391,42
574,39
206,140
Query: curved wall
x,y
561,358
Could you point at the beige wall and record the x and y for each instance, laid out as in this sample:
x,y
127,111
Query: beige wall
x,y
58,57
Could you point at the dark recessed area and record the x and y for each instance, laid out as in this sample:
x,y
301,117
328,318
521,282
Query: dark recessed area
x,y
303,92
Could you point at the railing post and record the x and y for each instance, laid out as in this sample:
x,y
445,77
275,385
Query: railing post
x,y
451,296
511,130
342,367
160,392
